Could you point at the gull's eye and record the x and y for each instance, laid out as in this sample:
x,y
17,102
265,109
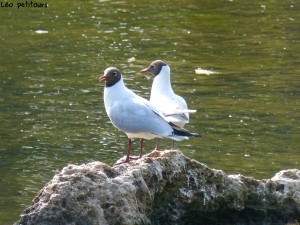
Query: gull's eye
x,y
115,73
153,66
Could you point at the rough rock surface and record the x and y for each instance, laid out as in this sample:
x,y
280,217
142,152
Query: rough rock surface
x,y
163,188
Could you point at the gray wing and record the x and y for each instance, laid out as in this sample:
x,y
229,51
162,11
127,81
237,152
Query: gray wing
x,y
176,110
136,115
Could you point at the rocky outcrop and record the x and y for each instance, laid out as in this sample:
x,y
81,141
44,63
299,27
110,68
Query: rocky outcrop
x,y
163,188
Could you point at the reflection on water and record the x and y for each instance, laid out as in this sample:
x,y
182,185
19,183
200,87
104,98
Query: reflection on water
x,y
52,110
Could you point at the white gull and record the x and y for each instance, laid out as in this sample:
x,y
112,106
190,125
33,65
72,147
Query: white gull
x,y
162,96
134,115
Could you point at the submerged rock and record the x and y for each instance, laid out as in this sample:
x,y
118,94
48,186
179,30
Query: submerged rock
x,y
163,188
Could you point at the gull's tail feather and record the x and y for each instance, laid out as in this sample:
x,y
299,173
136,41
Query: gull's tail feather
x,y
181,111
192,110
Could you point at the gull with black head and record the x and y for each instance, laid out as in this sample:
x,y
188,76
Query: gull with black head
x,y
134,115
162,96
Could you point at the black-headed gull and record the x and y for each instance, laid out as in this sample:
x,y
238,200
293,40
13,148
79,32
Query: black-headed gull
x,y
134,115
162,96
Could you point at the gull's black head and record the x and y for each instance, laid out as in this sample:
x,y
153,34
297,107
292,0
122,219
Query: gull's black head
x,y
155,67
111,76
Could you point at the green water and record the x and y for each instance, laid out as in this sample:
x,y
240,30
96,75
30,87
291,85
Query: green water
x,y
52,111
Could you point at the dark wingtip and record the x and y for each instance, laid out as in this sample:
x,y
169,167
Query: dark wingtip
x,y
183,132
196,135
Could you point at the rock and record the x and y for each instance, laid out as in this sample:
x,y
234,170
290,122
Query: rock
x,y
163,188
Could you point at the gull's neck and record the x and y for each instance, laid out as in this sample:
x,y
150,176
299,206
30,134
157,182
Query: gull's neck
x,y
162,82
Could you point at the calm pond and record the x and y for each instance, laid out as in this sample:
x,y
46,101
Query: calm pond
x,y
52,111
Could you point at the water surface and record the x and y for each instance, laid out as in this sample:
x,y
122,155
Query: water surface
x,y
52,111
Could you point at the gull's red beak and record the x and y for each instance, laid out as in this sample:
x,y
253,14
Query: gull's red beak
x,y
144,70
102,78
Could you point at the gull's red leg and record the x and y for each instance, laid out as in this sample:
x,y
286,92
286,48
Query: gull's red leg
x,y
141,147
128,150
